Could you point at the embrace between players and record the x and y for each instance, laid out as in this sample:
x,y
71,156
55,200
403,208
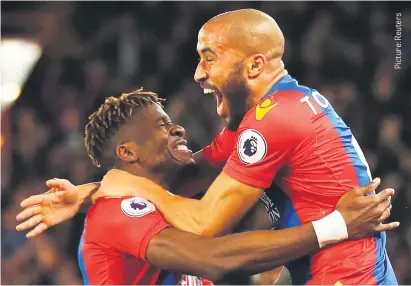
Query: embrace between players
x,y
284,144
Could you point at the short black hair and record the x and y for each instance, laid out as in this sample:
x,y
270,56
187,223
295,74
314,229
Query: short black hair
x,y
109,118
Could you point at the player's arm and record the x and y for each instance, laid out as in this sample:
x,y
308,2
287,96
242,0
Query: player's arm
x,y
263,147
233,192
255,158
145,234
224,204
150,238
257,251
190,181
86,192
214,258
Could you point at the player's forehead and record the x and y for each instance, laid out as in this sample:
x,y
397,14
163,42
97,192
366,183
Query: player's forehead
x,y
216,39
155,112
212,37
148,114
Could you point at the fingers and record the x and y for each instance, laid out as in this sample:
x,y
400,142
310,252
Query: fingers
x,y
32,201
385,215
63,191
387,226
384,205
31,222
370,187
58,183
29,212
384,195
55,197
37,230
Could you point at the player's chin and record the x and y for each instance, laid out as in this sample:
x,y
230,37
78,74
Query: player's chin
x,y
182,157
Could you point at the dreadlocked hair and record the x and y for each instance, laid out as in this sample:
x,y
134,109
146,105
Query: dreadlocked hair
x,y
108,119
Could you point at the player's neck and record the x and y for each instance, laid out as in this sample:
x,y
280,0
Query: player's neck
x,y
120,183
157,178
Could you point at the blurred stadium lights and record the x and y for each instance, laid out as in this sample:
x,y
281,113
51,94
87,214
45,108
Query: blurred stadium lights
x,y
18,57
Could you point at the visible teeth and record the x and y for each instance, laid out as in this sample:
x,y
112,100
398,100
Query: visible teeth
x,y
182,147
208,91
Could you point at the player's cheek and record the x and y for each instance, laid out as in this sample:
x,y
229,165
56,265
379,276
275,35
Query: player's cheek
x,y
163,149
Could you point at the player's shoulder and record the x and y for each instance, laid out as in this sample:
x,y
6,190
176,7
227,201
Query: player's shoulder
x,y
279,116
137,207
125,210
118,223
281,105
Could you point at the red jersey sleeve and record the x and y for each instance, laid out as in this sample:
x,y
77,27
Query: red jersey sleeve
x,y
265,141
218,152
137,223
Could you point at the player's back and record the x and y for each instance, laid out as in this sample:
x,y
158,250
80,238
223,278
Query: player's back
x,y
320,162
114,242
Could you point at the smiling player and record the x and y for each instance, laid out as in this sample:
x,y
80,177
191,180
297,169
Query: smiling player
x,y
278,133
127,241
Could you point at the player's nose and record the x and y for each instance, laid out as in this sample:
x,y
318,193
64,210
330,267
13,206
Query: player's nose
x,y
200,74
178,131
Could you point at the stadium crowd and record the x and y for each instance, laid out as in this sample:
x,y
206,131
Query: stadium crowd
x,y
344,49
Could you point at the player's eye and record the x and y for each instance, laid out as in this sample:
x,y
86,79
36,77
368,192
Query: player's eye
x,y
165,124
207,59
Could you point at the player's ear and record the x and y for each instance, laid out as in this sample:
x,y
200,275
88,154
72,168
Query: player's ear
x,y
255,65
128,151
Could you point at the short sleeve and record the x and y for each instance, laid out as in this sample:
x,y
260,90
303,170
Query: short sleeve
x,y
218,152
137,223
264,146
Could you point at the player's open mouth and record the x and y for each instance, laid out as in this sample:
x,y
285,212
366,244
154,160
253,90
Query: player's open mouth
x,y
219,98
180,152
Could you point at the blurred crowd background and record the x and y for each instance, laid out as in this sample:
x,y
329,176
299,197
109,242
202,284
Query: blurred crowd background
x,y
93,50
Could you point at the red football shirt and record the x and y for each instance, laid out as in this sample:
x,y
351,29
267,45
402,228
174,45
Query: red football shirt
x,y
293,137
113,246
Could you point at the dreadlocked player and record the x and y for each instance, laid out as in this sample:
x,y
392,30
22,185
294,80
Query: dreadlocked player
x,y
126,240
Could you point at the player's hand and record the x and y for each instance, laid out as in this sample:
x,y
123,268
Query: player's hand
x,y
364,215
43,211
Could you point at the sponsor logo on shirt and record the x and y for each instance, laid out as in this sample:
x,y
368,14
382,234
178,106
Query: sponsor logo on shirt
x,y
251,147
136,207
262,109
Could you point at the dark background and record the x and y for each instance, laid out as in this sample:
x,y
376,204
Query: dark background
x,y
92,50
